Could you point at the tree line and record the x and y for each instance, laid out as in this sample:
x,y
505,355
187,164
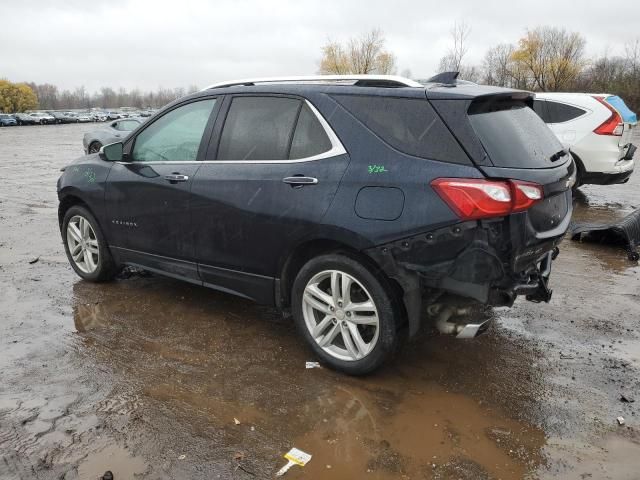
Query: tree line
x,y
547,59
18,97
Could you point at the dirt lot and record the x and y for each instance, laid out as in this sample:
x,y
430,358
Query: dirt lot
x,y
145,375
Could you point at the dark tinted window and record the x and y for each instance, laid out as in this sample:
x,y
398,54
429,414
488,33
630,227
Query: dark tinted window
x,y
309,138
540,107
561,112
258,128
410,125
514,136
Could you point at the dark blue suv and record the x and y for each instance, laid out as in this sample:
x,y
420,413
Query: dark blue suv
x,y
350,202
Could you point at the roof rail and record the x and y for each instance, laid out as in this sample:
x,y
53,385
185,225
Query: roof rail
x,y
361,80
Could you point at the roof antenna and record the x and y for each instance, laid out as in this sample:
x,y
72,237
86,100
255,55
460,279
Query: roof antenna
x,y
445,78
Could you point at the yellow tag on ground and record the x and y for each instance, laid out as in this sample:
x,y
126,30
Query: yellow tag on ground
x,y
298,457
294,457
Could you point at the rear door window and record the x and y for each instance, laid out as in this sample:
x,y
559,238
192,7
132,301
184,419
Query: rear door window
x,y
561,112
410,125
258,128
514,136
309,139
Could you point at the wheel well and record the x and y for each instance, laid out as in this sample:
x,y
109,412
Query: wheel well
x,y
305,252
579,164
66,203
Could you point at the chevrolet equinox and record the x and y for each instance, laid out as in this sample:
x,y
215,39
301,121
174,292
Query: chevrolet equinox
x,y
352,202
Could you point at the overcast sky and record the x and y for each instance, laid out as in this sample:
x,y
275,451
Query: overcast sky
x,y
148,44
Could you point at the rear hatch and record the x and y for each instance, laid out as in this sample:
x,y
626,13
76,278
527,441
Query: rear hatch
x,y
507,140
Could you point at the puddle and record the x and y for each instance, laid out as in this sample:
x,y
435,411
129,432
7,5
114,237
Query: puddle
x,y
425,433
114,459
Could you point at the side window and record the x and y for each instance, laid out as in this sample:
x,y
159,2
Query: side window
x,y
258,128
126,125
407,124
561,112
175,136
540,107
309,138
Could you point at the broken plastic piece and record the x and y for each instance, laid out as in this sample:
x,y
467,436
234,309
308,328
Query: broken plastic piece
x,y
620,420
626,232
294,457
312,365
236,421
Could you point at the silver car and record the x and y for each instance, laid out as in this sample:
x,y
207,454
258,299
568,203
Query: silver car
x,y
113,132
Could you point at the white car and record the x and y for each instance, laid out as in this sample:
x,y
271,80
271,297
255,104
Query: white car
x,y
597,130
43,118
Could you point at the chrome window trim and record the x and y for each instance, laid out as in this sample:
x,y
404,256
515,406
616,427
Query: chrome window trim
x,y
336,149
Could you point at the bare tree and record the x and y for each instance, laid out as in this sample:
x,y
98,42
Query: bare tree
x,y
496,66
452,61
361,55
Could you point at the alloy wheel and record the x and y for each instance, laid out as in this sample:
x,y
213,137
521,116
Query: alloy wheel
x,y
340,315
83,244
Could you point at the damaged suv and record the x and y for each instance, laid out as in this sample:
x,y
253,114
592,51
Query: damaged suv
x,y
350,201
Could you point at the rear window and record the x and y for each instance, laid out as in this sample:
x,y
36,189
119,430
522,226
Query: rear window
x,y
561,112
407,124
513,135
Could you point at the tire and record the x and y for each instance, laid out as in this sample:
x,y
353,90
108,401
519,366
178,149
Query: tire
x,y
100,267
374,343
95,147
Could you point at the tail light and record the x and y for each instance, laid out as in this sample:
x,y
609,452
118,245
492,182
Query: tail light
x,y
612,125
472,198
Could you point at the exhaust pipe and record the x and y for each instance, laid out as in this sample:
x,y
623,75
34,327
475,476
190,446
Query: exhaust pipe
x,y
460,330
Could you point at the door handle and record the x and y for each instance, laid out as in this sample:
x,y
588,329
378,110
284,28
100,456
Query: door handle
x,y
300,181
176,177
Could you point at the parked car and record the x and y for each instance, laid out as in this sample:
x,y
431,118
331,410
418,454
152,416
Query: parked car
x,y
597,129
43,118
7,120
349,200
84,117
113,115
98,116
62,117
26,119
113,132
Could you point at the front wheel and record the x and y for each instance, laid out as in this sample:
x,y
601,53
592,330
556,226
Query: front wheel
x,y
95,147
85,246
345,313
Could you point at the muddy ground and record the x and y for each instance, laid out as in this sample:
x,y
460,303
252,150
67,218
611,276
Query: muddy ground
x,y
145,375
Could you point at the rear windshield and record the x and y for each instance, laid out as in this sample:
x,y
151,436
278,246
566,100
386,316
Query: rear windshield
x,y
514,136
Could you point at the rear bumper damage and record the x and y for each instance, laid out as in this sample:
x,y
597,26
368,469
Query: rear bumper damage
x,y
489,262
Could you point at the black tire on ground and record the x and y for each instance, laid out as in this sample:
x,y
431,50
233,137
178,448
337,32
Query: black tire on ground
x,y
106,266
380,291
95,147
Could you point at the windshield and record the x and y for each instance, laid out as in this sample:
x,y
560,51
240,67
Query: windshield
x,y
515,136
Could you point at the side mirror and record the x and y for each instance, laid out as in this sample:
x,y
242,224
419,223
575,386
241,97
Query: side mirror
x,y
112,152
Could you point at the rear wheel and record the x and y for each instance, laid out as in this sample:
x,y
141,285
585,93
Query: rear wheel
x,y
345,313
95,147
85,246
